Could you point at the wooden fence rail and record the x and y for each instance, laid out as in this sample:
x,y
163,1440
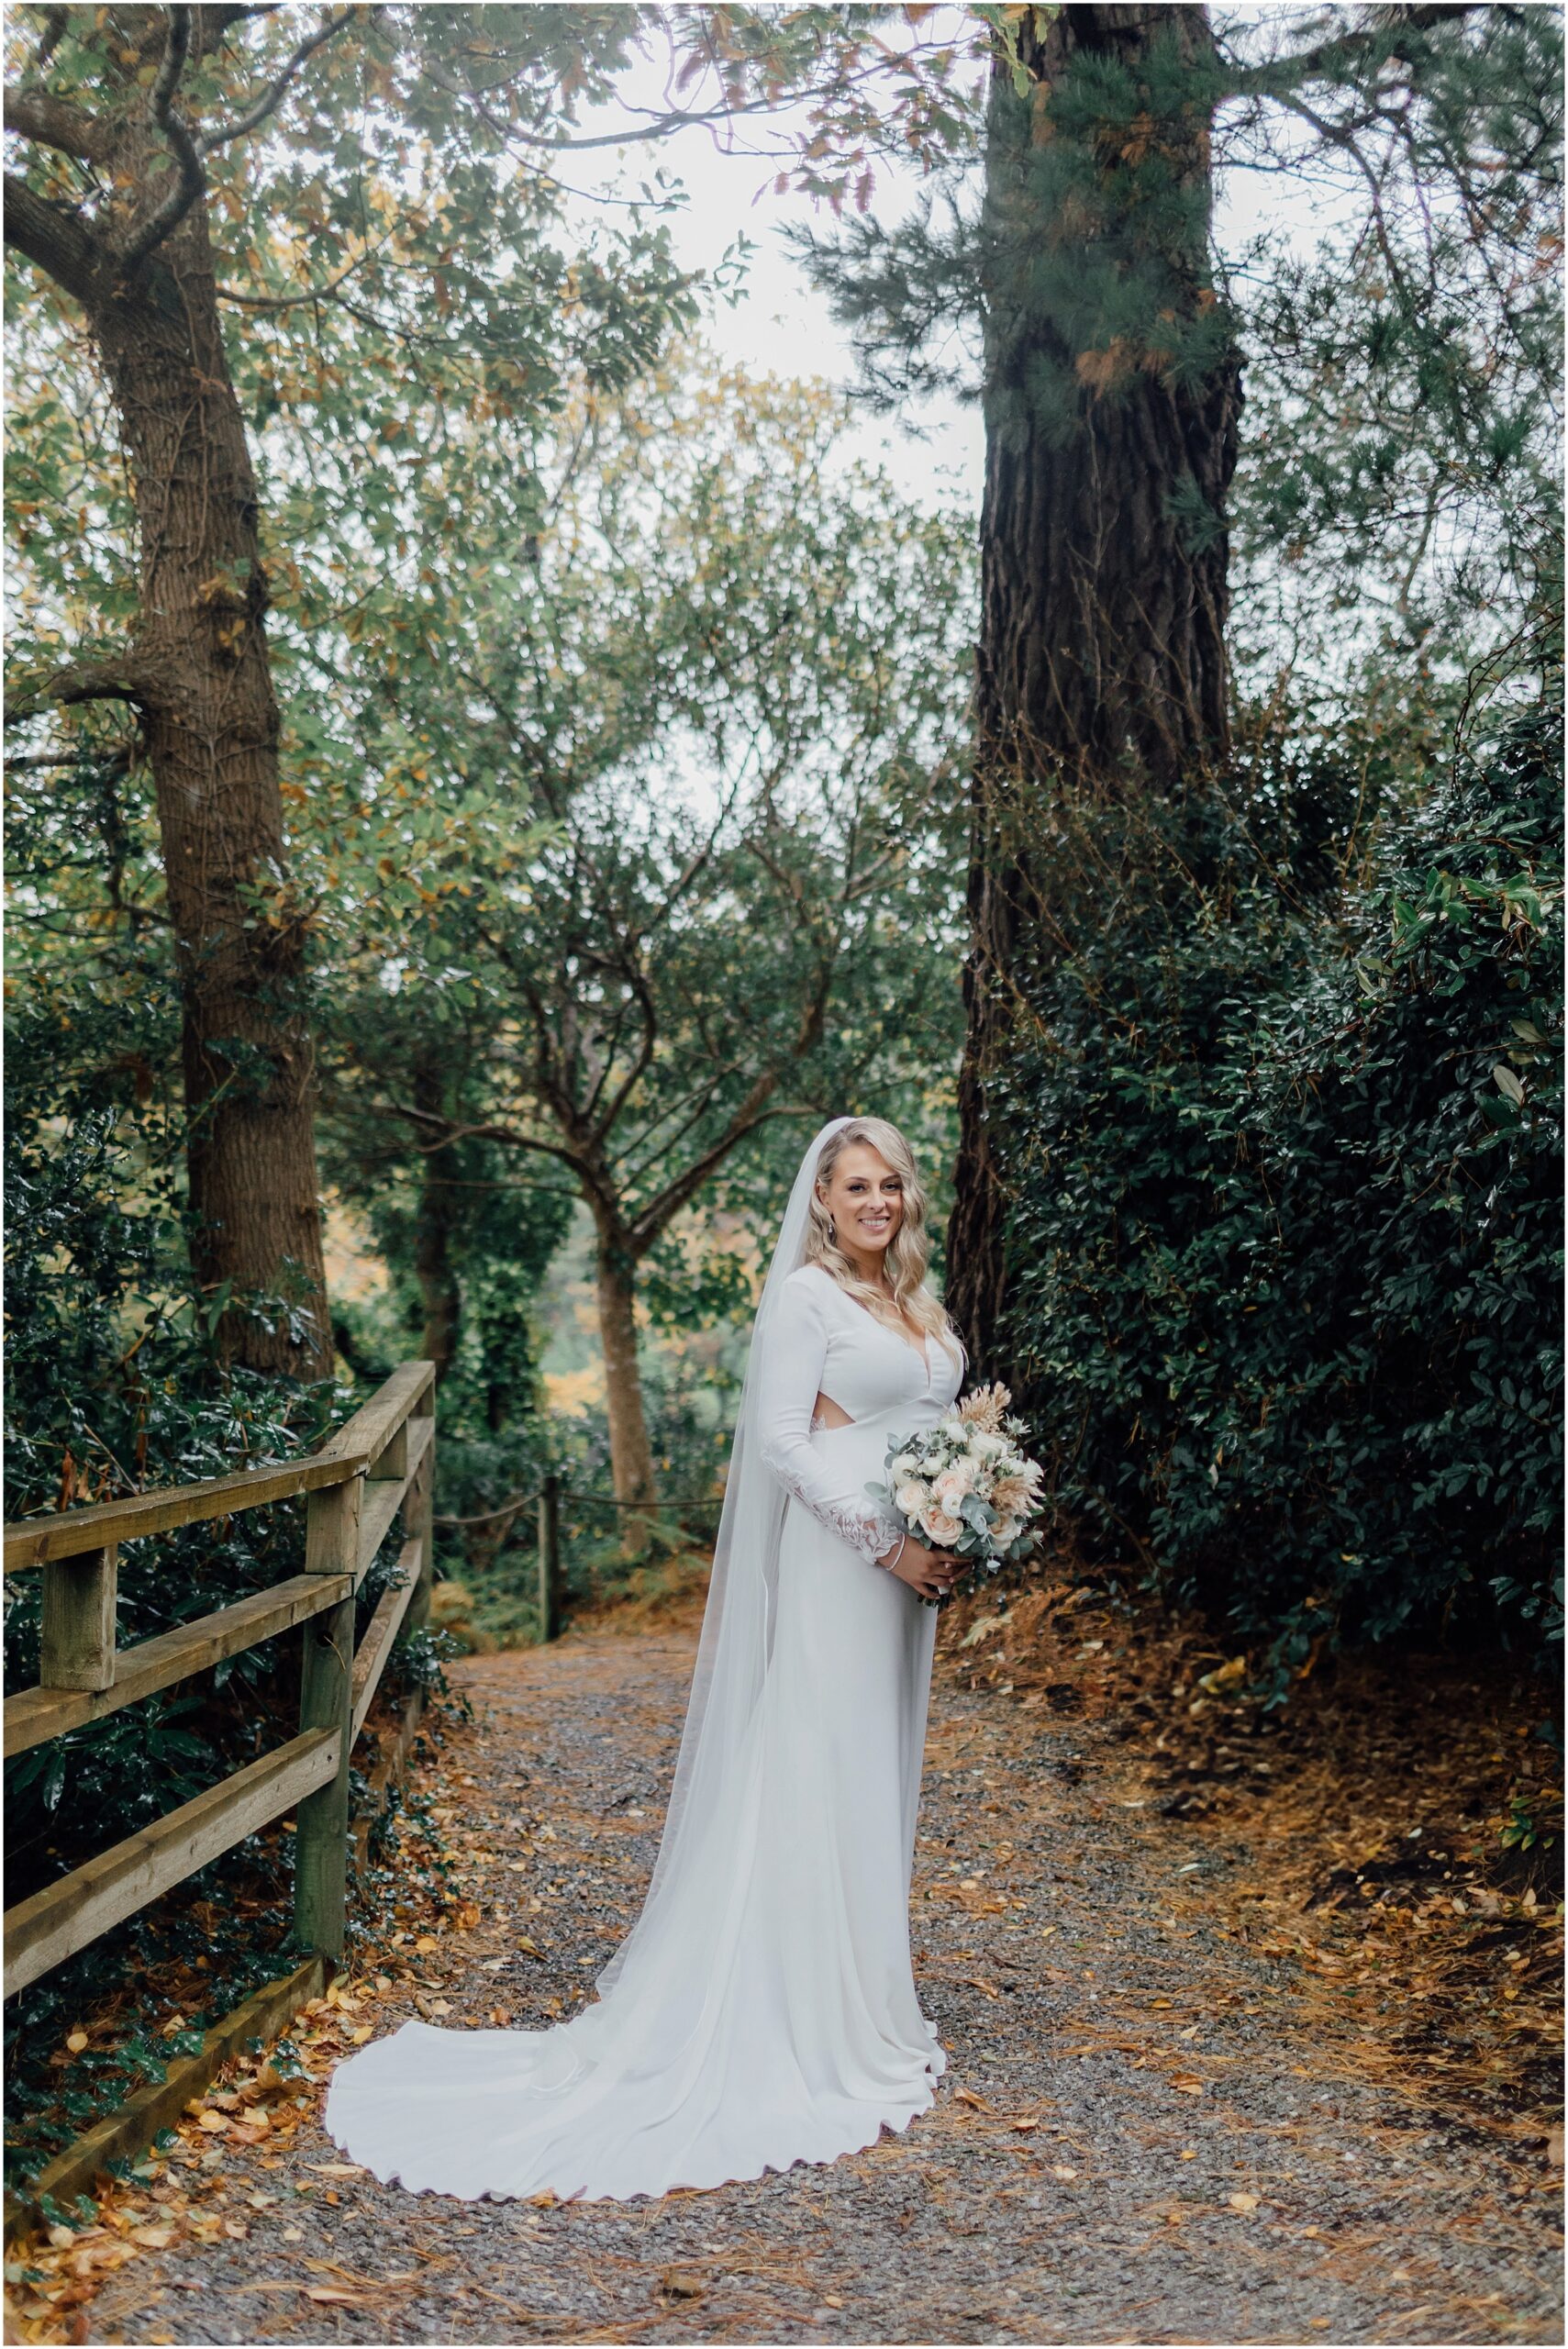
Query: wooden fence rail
x,y
381,1462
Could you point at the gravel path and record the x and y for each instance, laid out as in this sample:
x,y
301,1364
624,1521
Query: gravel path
x,y
1145,2134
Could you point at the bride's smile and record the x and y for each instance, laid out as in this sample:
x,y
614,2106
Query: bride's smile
x,y
865,1198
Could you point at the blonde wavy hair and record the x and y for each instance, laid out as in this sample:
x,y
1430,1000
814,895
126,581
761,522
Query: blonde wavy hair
x,y
908,1251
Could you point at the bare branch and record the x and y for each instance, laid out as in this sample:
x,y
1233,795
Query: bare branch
x,y
110,677
327,292
685,1186
54,122
215,21
63,247
54,24
192,179
446,1130
272,96
642,1060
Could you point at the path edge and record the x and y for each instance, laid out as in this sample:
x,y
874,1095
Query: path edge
x,y
131,2126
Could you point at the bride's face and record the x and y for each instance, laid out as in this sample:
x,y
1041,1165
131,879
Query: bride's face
x,y
866,1199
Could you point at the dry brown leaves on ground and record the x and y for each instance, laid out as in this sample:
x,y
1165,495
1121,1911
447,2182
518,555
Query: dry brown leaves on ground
x,y
1372,1810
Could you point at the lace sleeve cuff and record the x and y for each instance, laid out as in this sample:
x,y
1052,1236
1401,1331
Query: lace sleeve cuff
x,y
866,1530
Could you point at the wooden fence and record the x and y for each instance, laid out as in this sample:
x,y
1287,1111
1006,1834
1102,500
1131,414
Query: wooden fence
x,y
381,1462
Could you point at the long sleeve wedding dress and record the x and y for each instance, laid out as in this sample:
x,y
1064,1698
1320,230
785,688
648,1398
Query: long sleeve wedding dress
x,y
763,2009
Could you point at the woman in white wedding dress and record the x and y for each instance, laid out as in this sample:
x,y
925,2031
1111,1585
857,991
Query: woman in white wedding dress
x,y
761,2010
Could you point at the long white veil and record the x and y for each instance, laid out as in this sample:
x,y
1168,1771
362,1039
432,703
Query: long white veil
x,y
737,1632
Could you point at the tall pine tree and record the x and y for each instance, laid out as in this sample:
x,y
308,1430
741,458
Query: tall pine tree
x,y
1110,376
1111,392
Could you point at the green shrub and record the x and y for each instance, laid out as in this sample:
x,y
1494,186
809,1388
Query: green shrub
x,y
1286,1245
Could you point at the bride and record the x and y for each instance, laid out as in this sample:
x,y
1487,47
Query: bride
x,y
761,2010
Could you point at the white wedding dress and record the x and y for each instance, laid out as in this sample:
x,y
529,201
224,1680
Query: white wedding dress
x,y
763,2009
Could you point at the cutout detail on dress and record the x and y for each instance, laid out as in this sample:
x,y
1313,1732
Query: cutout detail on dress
x,y
826,1413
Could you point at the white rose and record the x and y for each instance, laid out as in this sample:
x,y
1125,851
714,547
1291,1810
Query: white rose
x,y
986,1446
912,1496
906,1465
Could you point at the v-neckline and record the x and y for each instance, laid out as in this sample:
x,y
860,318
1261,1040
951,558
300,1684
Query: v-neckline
x,y
921,1352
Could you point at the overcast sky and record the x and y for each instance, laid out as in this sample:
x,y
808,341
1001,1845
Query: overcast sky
x,y
782,325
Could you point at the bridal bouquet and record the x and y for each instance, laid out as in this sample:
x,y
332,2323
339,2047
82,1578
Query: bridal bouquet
x,y
965,1484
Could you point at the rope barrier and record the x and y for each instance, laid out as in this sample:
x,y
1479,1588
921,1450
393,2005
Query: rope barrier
x,y
577,1493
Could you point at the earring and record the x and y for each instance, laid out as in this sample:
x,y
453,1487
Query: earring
x,y
832,1231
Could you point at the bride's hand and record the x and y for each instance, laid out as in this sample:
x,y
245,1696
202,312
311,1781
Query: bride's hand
x,y
929,1573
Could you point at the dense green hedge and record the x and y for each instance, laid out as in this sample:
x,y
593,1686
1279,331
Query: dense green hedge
x,y
1285,1249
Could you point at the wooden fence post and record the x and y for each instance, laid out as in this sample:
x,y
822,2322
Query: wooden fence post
x,y
327,1701
77,1645
419,1523
549,1557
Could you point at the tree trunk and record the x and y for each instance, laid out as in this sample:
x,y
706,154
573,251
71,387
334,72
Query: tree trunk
x,y
1101,661
432,1233
198,669
632,1457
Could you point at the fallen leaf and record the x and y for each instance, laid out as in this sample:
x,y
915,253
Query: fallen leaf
x,y
425,1943
1062,2169
77,2041
1242,2201
333,2295
215,2123
153,2238
1188,2083
968,2096
682,2284
336,2169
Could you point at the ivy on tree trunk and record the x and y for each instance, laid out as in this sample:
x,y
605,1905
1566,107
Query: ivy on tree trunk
x,y
196,666
1111,396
